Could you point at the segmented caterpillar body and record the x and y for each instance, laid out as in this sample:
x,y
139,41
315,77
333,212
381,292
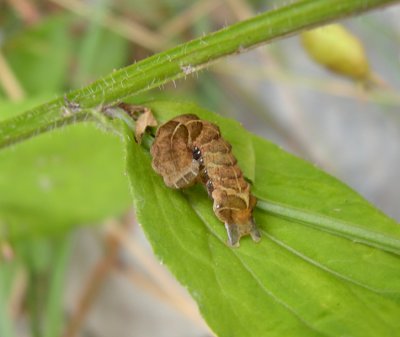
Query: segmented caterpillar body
x,y
187,150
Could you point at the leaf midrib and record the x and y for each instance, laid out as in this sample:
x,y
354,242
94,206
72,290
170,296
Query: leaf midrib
x,y
331,225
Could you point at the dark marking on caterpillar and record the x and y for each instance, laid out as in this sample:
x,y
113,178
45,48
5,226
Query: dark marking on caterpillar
x,y
188,150
196,153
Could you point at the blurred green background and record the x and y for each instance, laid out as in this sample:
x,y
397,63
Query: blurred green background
x,y
61,277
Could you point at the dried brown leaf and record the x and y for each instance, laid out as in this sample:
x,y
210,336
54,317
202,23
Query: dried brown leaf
x,y
145,120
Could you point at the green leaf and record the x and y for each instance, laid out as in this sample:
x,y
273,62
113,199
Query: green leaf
x,y
307,277
61,179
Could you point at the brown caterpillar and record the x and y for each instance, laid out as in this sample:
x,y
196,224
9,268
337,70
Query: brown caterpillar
x,y
187,150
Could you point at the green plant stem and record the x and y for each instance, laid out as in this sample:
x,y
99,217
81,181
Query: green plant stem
x,y
333,225
182,61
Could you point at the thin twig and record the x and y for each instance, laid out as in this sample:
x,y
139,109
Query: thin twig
x,y
152,266
153,288
187,17
26,9
129,29
170,290
18,291
333,87
9,81
241,9
93,285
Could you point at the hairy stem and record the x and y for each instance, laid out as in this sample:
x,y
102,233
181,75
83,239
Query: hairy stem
x,y
182,61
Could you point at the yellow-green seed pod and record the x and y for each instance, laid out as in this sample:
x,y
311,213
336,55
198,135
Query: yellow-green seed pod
x,y
338,50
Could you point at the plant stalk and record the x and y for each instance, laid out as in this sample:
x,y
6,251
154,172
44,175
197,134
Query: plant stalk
x,y
180,62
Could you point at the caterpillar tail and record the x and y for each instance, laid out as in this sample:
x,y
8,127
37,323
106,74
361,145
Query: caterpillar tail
x,y
235,232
